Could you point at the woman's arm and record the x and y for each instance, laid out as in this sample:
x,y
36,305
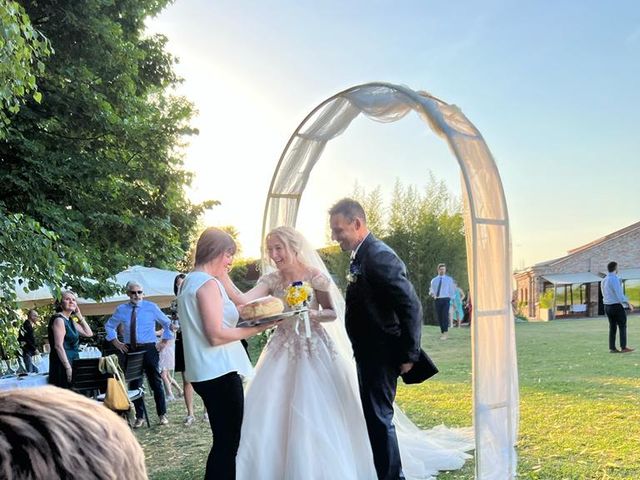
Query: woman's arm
x,y
58,343
321,286
210,305
82,326
239,298
327,313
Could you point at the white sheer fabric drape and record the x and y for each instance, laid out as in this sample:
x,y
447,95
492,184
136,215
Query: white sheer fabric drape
x,y
495,382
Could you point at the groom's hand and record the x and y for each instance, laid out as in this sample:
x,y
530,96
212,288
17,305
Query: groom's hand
x,y
405,367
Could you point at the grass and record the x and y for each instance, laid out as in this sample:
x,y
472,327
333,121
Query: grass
x,y
579,405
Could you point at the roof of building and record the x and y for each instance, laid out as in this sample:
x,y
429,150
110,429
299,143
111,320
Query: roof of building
x,y
599,241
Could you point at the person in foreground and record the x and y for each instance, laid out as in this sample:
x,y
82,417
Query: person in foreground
x,y
614,301
139,317
56,434
64,334
303,419
215,360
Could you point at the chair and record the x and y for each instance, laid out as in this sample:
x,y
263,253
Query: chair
x,y
134,370
86,377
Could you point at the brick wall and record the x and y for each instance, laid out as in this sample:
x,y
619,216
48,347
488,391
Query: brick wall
x,y
624,249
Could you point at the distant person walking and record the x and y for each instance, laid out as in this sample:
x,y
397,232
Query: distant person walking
x,y
442,289
614,301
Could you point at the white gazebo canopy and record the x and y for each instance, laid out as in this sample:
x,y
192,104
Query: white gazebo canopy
x,y
157,285
495,378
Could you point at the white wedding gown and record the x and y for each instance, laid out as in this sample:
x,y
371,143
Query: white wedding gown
x,y
303,419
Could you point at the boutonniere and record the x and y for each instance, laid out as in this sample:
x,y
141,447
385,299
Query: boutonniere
x,y
354,272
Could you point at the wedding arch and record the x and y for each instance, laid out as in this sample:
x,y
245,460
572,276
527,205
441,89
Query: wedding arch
x,y
495,378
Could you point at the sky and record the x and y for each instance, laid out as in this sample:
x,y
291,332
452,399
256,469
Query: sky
x,y
553,86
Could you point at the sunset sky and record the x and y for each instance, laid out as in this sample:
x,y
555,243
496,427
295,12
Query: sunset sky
x,y
553,86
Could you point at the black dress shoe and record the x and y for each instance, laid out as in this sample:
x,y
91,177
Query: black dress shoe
x,y
615,350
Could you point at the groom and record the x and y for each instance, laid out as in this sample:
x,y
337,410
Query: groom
x,y
383,319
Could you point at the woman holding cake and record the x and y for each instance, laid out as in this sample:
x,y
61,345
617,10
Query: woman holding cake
x,y
214,357
303,415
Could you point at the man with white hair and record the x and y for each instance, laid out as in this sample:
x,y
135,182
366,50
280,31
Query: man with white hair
x,y
139,318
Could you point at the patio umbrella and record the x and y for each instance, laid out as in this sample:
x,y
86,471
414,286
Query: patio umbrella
x,y
156,283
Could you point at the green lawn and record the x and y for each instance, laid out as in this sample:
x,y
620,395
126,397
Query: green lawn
x,y
579,409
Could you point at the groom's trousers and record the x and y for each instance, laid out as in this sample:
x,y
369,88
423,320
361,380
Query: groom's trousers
x,y
378,382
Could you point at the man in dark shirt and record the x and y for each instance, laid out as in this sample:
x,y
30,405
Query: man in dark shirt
x,y
27,340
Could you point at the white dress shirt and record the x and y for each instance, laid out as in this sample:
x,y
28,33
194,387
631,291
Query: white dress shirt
x,y
447,289
612,290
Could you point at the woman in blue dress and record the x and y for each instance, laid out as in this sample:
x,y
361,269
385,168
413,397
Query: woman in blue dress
x,y
64,336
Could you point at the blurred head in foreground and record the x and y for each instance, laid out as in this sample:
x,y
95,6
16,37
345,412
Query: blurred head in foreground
x,y
48,432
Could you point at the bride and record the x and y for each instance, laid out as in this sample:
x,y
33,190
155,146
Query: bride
x,y
303,417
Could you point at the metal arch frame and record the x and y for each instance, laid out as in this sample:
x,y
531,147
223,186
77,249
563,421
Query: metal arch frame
x,y
475,221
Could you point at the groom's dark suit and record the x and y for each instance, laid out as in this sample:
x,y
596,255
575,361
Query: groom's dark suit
x,y
383,319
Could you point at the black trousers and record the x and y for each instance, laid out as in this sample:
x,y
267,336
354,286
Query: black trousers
x,y
152,372
28,363
442,313
378,382
617,320
223,398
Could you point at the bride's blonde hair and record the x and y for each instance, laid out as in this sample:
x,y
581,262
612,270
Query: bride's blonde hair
x,y
292,240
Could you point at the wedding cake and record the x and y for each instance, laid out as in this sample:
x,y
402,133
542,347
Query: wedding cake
x,y
262,307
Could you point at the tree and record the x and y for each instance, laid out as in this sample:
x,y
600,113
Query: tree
x,y
424,228
22,49
98,161
373,205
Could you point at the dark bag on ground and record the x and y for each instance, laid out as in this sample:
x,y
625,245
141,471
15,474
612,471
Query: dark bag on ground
x,y
423,369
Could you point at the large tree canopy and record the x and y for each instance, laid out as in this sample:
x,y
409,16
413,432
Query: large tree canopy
x,y
21,50
96,165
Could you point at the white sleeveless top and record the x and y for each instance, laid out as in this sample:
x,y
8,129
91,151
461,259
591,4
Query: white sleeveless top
x,y
203,361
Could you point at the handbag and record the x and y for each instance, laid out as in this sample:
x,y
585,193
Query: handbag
x,y
116,397
423,369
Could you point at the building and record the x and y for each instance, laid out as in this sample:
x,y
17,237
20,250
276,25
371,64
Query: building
x,y
575,278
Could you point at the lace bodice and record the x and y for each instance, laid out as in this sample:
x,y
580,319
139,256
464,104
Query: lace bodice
x,y
285,338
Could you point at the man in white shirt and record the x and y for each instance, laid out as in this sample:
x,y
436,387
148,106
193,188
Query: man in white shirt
x,y
614,300
442,289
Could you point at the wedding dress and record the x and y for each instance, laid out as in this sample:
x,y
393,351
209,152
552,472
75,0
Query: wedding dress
x,y
303,418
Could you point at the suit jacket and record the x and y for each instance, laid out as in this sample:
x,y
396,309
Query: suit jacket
x,y
383,314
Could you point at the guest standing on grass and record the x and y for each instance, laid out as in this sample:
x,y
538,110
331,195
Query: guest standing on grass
x,y
27,340
190,418
139,318
214,358
442,289
614,301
